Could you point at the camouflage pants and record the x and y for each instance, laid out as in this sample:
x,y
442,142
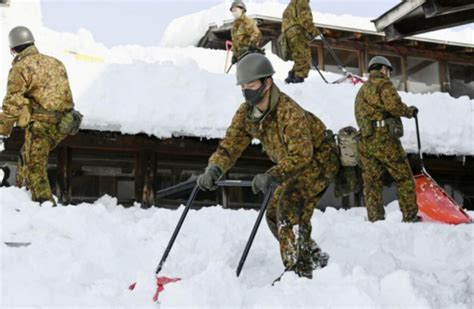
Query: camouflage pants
x,y
40,140
300,52
379,153
291,208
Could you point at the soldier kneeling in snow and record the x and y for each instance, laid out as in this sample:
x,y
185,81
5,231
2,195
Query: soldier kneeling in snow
x,y
303,150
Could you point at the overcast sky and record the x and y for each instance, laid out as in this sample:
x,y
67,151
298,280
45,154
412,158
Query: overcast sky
x,y
143,21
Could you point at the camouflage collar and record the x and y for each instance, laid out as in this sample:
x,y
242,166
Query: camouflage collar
x,y
32,50
274,99
377,74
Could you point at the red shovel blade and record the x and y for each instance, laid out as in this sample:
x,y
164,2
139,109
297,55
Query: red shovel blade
x,y
160,285
160,282
435,205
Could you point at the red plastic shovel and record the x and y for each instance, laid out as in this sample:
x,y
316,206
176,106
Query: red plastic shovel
x,y
434,204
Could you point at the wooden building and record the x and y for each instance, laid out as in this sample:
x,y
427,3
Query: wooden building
x,y
133,167
420,65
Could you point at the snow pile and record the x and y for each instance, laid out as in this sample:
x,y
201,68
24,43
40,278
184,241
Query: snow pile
x,y
200,21
87,255
165,91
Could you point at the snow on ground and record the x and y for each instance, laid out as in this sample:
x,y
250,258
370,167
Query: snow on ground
x,y
200,21
183,91
87,255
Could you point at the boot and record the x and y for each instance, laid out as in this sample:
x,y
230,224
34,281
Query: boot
x,y
412,219
294,80
291,76
320,259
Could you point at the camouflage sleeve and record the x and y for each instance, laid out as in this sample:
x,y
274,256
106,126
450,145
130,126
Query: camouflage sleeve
x,y
255,34
297,137
15,100
305,16
393,103
234,143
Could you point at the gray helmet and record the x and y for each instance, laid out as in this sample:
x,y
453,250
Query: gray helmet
x,y
252,67
19,36
240,4
380,60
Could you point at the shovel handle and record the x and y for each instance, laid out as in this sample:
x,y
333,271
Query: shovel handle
x,y
420,154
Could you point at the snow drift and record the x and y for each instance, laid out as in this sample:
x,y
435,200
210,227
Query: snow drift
x,y
87,255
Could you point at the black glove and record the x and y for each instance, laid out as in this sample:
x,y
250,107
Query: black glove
x,y
234,60
207,181
254,49
414,111
261,182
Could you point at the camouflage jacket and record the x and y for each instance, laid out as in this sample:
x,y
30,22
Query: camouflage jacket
x,y
298,17
378,100
38,83
292,137
245,33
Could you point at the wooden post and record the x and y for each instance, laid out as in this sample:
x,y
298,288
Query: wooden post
x,y
63,177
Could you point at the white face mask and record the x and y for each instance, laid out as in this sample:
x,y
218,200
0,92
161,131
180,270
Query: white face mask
x,y
237,12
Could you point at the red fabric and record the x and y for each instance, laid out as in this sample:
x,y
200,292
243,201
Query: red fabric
x,y
161,282
435,205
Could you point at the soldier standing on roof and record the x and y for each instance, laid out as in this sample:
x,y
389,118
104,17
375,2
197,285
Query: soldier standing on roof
x,y
378,109
302,149
245,33
39,100
300,30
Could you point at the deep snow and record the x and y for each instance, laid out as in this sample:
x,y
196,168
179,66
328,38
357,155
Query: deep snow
x,y
87,255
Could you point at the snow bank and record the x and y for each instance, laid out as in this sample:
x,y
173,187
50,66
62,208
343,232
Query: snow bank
x,y
200,22
182,91
87,255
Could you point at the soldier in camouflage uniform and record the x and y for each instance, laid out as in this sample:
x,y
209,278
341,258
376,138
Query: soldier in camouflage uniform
x,y
299,28
38,94
378,109
302,149
245,33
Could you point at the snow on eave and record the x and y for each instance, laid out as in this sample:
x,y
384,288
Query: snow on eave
x,y
418,37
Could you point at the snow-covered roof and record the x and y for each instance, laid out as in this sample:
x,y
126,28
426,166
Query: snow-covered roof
x,y
269,9
183,91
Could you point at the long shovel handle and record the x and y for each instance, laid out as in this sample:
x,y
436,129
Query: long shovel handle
x,y
178,227
263,208
184,186
420,154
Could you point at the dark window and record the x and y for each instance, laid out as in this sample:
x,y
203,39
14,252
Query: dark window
x,y
350,59
423,75
461,78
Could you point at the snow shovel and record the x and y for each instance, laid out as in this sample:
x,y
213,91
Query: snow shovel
x,y
161,281
434,204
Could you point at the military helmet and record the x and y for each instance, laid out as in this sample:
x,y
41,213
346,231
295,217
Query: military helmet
x,y
252,67
240,4
380,60
20,36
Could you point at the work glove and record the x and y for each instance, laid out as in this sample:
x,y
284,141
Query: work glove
x,y
207,181
261,182
234,60
413,110
254,49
